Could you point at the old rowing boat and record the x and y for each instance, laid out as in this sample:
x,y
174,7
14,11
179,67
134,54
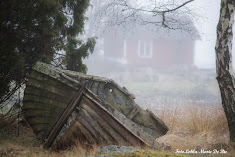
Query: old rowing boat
x,y
65,107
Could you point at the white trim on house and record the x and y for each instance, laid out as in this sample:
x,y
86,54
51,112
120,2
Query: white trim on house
x,y
145,48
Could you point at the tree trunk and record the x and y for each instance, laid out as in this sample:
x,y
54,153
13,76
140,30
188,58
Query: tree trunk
x,y
224,62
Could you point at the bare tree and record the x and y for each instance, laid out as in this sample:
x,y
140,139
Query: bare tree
x,y
168,14
224,62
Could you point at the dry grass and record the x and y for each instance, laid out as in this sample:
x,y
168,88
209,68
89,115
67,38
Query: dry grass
x,y
27,145
191,126
195,127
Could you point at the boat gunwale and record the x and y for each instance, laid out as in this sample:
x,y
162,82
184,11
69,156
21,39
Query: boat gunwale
x,y
68,74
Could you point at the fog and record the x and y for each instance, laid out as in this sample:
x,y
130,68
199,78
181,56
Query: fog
x,y
159,65
204,49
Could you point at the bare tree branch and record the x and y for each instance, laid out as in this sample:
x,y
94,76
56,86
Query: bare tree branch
x,y
127,15
180,6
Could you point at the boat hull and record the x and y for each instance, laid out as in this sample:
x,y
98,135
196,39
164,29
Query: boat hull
x,y
104,112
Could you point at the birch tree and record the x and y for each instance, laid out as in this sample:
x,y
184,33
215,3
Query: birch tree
x,y
224,62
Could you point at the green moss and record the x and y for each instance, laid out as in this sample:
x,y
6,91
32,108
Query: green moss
x,y
143,153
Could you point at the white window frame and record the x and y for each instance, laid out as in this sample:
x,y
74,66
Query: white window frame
x,y
144,53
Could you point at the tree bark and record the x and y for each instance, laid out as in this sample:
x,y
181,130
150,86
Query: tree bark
x,y
224,62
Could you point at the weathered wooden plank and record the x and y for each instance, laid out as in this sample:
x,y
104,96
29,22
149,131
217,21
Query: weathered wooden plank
x,y
109,97
90,83
106,130
53,89
101,93
85,132
122,89
46,94
115,123
146,122
41,134
81,76
133,113
83,81
69,122
49,80
159,123
119,97
140,133
146,138
94,87
126,104
36,109
74,134
70,81
39,126
63,118
129,125
105,137
39,112
67,140
32,105
44,101
38,119
89,127
54,73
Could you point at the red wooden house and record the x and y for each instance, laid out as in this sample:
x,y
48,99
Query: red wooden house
x,y
146,46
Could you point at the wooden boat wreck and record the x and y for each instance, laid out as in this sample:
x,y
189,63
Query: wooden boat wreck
x,y
65,107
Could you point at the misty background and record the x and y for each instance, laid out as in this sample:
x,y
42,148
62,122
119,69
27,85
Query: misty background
x,y
153,83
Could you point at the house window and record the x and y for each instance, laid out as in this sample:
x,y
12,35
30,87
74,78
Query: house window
x,y
145,48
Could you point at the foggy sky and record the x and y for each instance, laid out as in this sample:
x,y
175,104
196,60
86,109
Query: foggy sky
x,y
205,49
